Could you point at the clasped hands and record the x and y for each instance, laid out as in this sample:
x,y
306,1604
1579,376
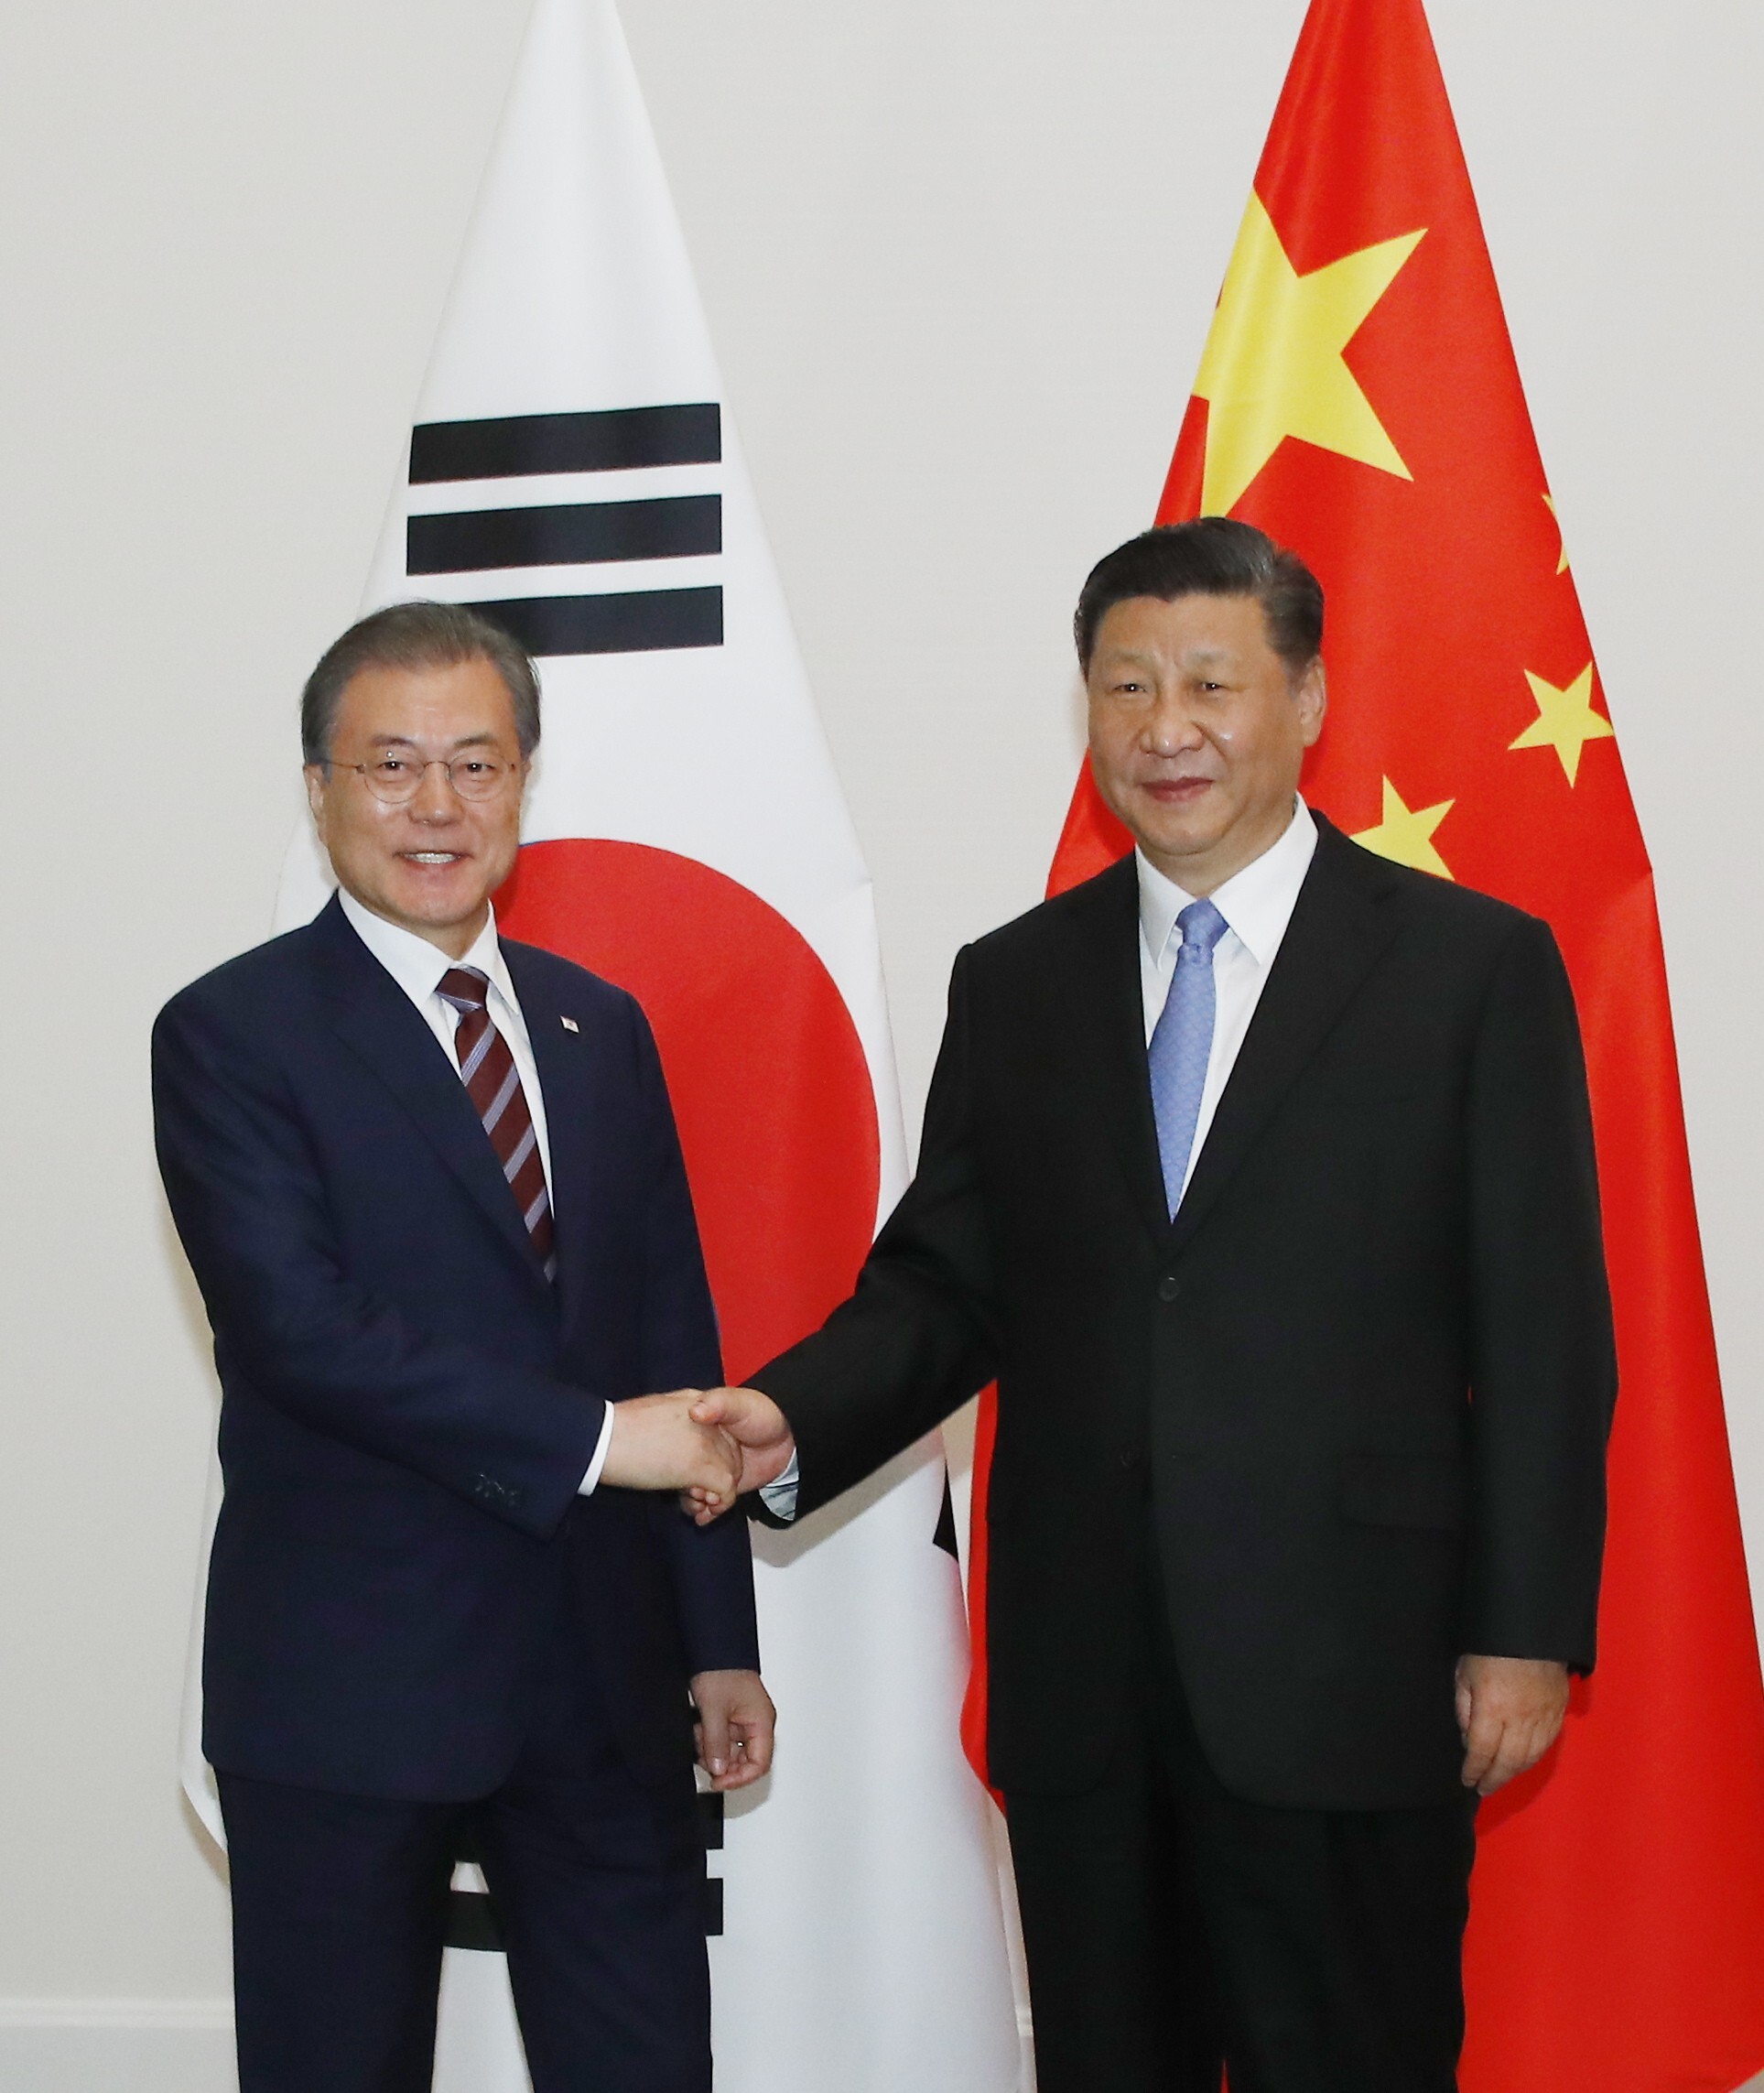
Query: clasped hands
x,y
711,1445
708,1445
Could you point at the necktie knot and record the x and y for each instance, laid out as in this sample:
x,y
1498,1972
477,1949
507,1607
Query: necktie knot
x,y
1201,926
465,988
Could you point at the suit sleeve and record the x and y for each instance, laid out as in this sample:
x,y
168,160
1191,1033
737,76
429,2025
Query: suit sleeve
x,y
712,1566
918,1335
1544,1362
250,1207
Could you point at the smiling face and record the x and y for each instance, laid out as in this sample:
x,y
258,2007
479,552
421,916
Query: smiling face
x,y
1198,732
432,865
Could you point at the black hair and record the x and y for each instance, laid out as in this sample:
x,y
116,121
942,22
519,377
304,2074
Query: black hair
x,y
1213,555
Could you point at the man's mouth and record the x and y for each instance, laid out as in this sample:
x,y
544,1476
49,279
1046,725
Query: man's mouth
x,y
432,857
1174,791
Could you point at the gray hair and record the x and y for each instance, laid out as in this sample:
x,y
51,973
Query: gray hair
x,y
417,635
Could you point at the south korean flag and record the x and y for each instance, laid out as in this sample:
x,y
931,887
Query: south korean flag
x,y
573,472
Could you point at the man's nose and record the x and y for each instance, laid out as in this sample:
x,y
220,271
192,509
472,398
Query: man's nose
x,y
436,799
1170,728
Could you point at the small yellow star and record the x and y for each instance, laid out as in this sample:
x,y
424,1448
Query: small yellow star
x,y
1405,835
1272,366
1566,720
1562,564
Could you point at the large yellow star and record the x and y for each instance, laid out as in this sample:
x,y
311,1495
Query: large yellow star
x,y
1566,720
1274,366
1406,834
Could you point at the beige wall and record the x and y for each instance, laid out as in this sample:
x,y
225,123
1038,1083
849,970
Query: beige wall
x,y
959,256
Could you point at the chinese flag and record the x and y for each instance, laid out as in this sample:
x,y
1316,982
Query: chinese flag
x,y
1359,401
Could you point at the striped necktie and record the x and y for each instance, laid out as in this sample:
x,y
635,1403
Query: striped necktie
x,y
493,1084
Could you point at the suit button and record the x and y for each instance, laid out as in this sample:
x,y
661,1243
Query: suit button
x,y
1169,1287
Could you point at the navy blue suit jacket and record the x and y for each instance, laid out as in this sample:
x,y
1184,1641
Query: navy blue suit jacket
x,y
407,1406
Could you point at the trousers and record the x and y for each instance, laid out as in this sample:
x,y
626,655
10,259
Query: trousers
x,y
598,1877
1174,1931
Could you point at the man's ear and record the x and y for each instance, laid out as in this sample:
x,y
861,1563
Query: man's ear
x,y
317,778
1312,694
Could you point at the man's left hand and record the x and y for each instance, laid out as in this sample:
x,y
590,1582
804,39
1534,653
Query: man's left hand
x,y
1509,1712
735,1727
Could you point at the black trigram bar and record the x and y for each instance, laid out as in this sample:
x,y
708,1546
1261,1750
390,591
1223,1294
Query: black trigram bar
x,y
474,1923
515,446
944,1536
471,1917
471,1921
472,541
711,1821
710,1830
645,620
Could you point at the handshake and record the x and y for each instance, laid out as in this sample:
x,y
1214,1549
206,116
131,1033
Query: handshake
x,y
708,1445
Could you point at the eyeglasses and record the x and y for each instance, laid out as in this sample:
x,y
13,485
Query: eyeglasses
x,y
397,780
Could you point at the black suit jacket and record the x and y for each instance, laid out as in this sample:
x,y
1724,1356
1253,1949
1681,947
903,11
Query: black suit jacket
x,y
1359,1389
408,1404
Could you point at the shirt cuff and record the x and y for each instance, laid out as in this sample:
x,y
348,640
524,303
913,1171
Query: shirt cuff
x,y
779,1495
586,1485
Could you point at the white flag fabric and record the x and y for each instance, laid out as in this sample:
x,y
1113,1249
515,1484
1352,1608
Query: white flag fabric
x,y
574,471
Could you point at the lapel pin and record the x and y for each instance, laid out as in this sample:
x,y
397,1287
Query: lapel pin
x,y
570,1025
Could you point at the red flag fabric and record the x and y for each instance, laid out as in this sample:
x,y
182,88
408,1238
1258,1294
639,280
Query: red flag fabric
x,y
1359,399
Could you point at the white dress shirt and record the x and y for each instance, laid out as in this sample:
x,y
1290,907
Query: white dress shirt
x,y
1257,905
417,967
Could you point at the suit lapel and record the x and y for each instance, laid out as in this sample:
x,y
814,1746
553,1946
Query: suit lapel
x,y
1337,932
379,1023
1110,1014
564,1060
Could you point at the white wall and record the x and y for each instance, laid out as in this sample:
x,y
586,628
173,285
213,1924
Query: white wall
x,y
959,256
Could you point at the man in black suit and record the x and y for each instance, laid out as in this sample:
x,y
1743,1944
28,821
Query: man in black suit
x,y
429,1185
1259,1174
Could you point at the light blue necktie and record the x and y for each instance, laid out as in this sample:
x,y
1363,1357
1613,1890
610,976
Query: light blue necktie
x,y
1183,1042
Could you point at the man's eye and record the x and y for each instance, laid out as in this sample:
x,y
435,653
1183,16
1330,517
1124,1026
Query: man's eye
x,y
472,767
391,767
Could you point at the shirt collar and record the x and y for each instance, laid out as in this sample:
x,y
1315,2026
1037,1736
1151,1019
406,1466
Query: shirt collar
x,y
416,965
1257,903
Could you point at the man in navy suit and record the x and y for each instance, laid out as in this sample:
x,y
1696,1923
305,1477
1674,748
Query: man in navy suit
x,y
430,1188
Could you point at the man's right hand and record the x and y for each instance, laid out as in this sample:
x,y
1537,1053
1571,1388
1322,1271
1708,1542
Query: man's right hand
x,y
657,1444
757,1429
